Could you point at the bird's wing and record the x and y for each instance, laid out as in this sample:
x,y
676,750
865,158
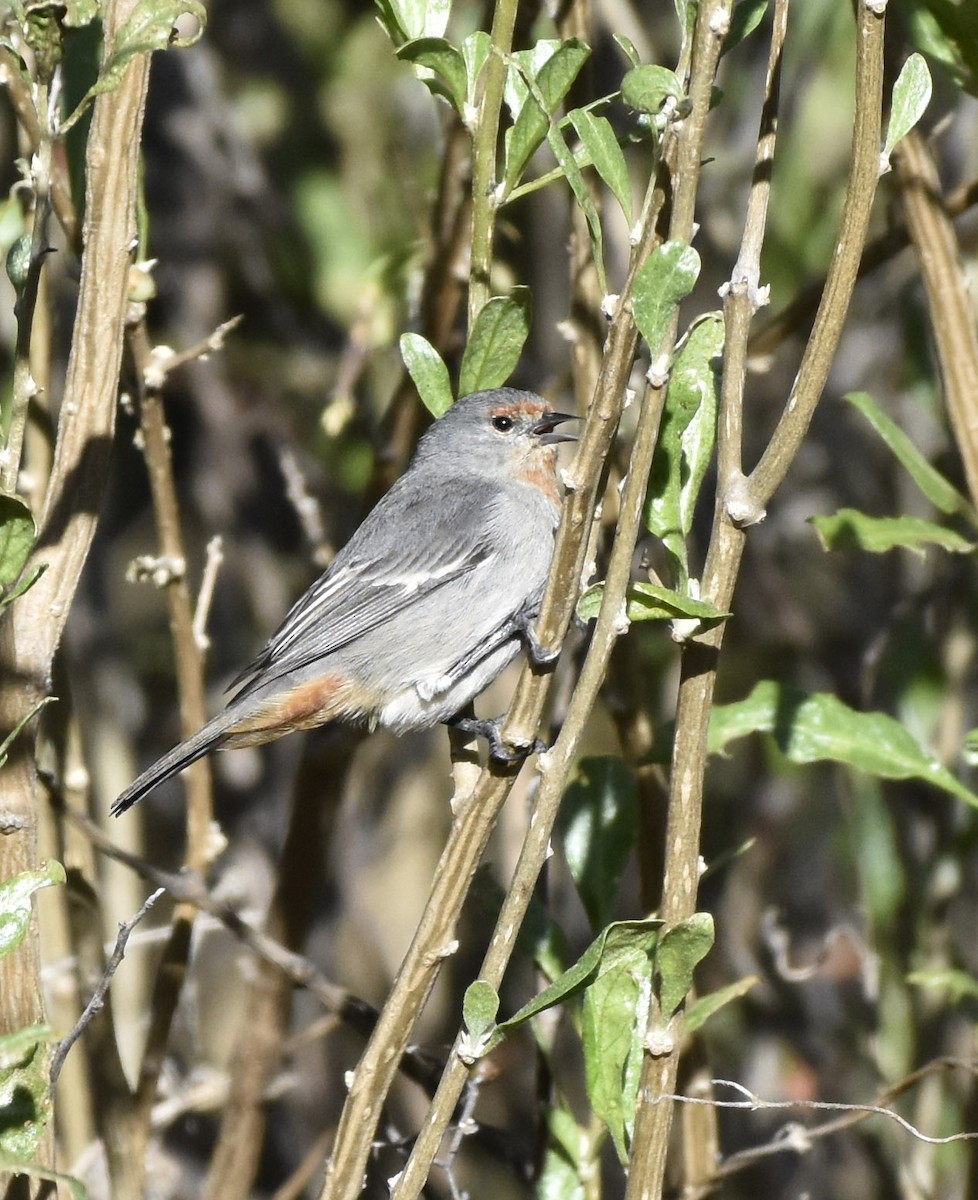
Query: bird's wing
x,y
400,555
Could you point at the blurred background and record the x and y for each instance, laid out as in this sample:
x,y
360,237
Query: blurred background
x,y
291,170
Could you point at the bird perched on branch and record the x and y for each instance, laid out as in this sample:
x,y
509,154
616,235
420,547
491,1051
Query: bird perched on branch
x,y
426,604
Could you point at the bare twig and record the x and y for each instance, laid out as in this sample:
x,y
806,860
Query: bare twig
x,y
97,1000
799,1139
205,597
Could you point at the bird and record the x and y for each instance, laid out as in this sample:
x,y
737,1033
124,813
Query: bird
x,y
431,598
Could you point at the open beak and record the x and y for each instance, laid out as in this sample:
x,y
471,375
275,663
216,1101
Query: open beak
x,y
546,428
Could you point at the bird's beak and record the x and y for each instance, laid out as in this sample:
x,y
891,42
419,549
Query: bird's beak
x,y
546,428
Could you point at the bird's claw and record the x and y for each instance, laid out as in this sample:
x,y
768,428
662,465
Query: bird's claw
x,y
491,730
538,654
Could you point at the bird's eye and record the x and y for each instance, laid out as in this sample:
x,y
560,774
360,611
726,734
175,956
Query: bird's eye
x,y
502,424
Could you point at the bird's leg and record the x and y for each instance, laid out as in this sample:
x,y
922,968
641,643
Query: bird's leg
x,y
522,625
489,728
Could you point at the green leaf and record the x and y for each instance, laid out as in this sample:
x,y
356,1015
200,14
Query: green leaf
x,y
818,727
577,977
475,52
614,1019
598,821
479,1008
150,27
524,65
16,1046
947,32
21,726
701,1009
428,371
547,89
598,139
17,533
942,494
439,56
15,902
747,15
496,342
959,984
572,173
667,276
627,47
849,529
563,1165
79,13
647,602
647,88
681,948
687,436
911,95
11,1164
411,19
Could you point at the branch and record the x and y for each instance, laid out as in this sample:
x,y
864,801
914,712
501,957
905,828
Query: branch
x,y
952,310
97,1001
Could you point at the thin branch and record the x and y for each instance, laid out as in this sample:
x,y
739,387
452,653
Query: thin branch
x,y
743,295
798,1139
823,343
951,306
24,388
742,504
484,150
205,597
97,1001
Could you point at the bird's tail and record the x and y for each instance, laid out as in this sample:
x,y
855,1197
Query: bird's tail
x,y
206,739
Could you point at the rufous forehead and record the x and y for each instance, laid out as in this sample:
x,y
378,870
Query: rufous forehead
x,y
519,408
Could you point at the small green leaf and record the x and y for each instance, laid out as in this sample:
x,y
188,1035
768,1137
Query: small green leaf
x,y
411,19
13,1164
667,276
17,533
687,436
547,89
564,1165
681,948
14,1047
479,1008
911,95
15,902
151,27
942,494
475,52
647,602
448,66
572,173
21,726
496,342
747,15
24,584
598,819
428,371
627,47
614,1019
598,139
647,88
959,984
817,727
849,529
701,1009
